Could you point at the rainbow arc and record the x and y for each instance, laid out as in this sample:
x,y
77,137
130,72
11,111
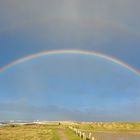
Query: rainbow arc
x,y
82,52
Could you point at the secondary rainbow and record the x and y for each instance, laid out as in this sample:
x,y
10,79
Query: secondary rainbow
x,y
83,52
115,25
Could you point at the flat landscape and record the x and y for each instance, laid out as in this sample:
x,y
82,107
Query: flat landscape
x,y
110,126
61,131
37,132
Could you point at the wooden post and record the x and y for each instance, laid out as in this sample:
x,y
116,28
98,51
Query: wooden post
x,y
80,134
84,136
89,136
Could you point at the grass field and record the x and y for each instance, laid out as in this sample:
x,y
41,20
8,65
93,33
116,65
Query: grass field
x,y
109,126
28,132
60,132
37,132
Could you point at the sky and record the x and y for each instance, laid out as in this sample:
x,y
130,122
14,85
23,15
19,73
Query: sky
x,y
70,86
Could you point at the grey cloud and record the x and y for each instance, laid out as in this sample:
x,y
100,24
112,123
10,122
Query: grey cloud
x,y
120,12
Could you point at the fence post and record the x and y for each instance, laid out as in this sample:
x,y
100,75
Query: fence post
x,y
89,136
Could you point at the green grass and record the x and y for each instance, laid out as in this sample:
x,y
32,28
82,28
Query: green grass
x,y
55,135
71,135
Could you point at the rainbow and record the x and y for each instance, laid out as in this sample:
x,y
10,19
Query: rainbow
x,y
83,52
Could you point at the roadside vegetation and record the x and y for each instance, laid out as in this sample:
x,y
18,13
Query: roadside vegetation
x,y
71,135
109,126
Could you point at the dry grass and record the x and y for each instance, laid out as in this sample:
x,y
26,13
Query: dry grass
x,y
27,132
110,126
50,131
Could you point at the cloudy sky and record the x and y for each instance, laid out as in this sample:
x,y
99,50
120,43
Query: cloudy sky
x,y
70,86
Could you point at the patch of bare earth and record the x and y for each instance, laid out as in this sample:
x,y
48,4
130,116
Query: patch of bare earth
x,y
62,134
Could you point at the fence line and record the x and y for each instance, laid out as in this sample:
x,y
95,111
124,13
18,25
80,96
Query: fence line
x,y
83,135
